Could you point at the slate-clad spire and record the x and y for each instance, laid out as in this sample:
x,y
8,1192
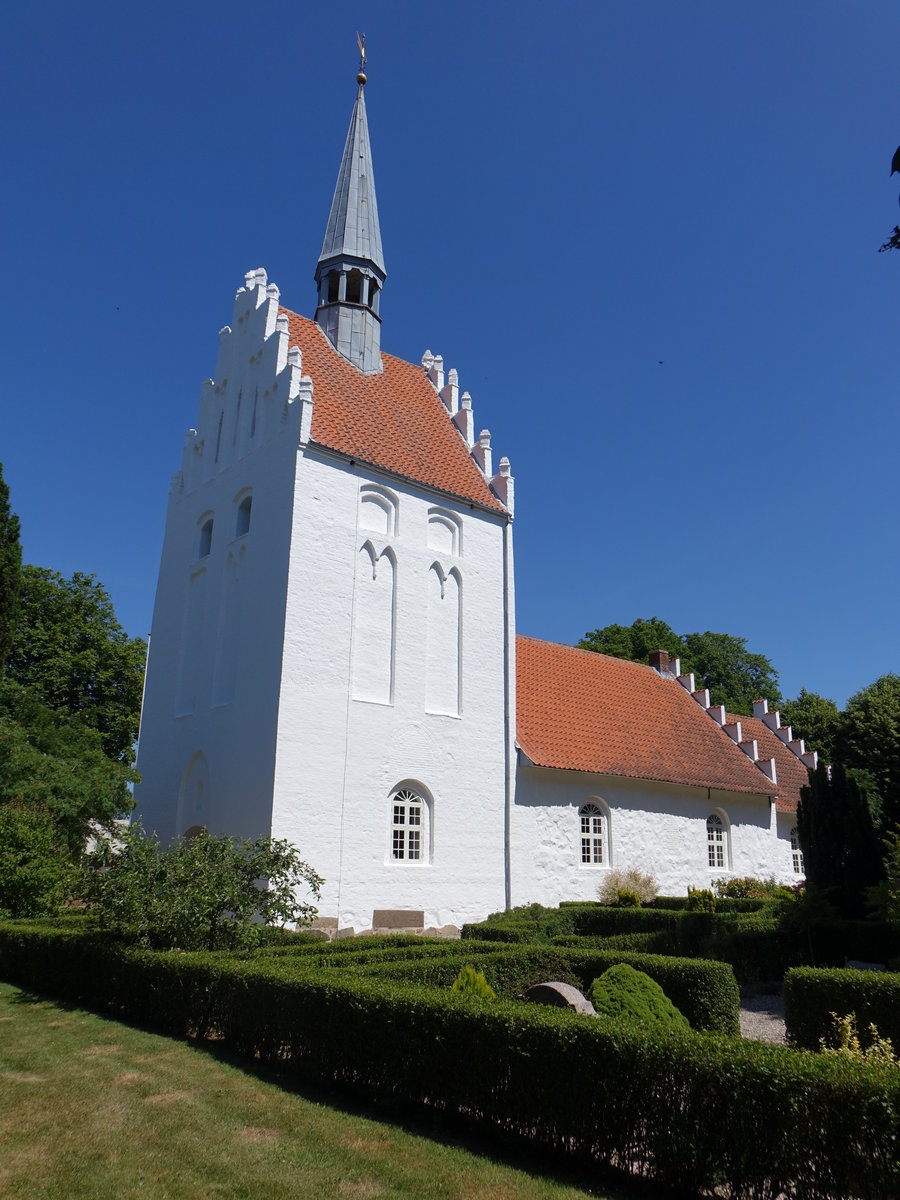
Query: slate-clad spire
x,y
350,271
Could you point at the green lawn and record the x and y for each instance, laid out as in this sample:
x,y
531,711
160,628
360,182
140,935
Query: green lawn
x,y
95,1109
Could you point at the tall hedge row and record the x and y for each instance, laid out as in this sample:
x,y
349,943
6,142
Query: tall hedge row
x,y
811,996
692,1111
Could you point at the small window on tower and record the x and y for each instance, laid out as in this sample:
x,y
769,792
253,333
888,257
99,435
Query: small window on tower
x,y
242,524
373,292
334,286
354,287
205,539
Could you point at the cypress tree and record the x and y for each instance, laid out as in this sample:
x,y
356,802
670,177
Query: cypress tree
x,y
10,572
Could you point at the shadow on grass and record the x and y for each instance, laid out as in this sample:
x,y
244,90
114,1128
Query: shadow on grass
x,y
447,1129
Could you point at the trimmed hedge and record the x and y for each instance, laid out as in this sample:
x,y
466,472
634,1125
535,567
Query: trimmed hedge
x,y
685,1110
706,992
810,996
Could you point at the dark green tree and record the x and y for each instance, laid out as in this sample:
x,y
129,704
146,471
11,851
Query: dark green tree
x,y
35,871
840,848
10,571
816,719
735,676
53,763
71,652
869,743
634,641
719,661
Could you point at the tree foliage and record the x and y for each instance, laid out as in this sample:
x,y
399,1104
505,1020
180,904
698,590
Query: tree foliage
x,y
840,848
35,872
10,571
869,742
816,719
201,893
719,661
54,762
70,651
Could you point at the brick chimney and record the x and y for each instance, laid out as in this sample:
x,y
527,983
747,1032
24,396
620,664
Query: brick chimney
x,y
659,661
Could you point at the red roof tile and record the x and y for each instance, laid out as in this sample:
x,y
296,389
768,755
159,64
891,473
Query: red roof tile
x,y
792,775
581,711
395,421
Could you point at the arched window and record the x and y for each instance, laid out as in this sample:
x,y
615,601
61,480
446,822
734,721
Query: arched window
x,y
593,835
242,523
206,532
409,826
717,842
797,853
334,286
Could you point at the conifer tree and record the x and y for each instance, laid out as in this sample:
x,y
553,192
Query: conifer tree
x,y
10,571
840,849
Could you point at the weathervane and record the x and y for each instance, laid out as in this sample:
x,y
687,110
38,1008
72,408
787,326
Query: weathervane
x,y
361,42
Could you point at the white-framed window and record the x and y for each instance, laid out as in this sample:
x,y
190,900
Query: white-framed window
x,y
410,824
797,853
592,820
717,842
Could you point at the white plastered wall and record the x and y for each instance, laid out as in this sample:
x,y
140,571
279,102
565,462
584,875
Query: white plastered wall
x,y
338,758
213,674
657,828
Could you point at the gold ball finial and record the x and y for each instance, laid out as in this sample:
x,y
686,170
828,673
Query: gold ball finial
x,y
361,42
361,78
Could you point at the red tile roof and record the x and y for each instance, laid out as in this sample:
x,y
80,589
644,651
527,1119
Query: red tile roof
x,y
581,711
791,773
395,421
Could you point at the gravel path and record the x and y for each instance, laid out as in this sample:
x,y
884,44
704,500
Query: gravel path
x,y
762,1018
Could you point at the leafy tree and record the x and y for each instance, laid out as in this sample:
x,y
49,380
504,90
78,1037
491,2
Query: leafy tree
x,y
634,641
815,719
735,677
840,849
53,762
10,571
869,742
719,661
69,649
201,893
35,872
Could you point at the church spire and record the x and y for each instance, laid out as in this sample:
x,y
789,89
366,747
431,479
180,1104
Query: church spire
x,y
350,271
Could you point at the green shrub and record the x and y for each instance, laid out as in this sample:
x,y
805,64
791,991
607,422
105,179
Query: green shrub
x,y
748,887
701,900
844,1042
624,994
811,996
470,982
199,893
628,899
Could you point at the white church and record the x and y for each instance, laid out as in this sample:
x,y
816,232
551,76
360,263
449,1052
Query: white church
x,y
334,657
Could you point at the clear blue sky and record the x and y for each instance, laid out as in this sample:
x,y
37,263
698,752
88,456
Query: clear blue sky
x,y
568,193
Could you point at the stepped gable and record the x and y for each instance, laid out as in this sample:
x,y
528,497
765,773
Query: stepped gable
x,y
394,420
581,711
791,772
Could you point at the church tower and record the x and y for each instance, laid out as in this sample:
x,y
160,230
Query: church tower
x,y
350,271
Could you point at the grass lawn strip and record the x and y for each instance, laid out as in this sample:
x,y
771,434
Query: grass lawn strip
x,y
95,1109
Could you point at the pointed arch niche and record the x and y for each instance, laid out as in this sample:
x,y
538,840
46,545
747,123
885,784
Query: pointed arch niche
x,y
194,795
443,657
374,623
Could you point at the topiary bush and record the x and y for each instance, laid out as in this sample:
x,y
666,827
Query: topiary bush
x,y
630,996
470,982
701,900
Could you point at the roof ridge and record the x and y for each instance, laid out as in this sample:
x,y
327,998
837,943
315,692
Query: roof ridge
x,y
628,662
